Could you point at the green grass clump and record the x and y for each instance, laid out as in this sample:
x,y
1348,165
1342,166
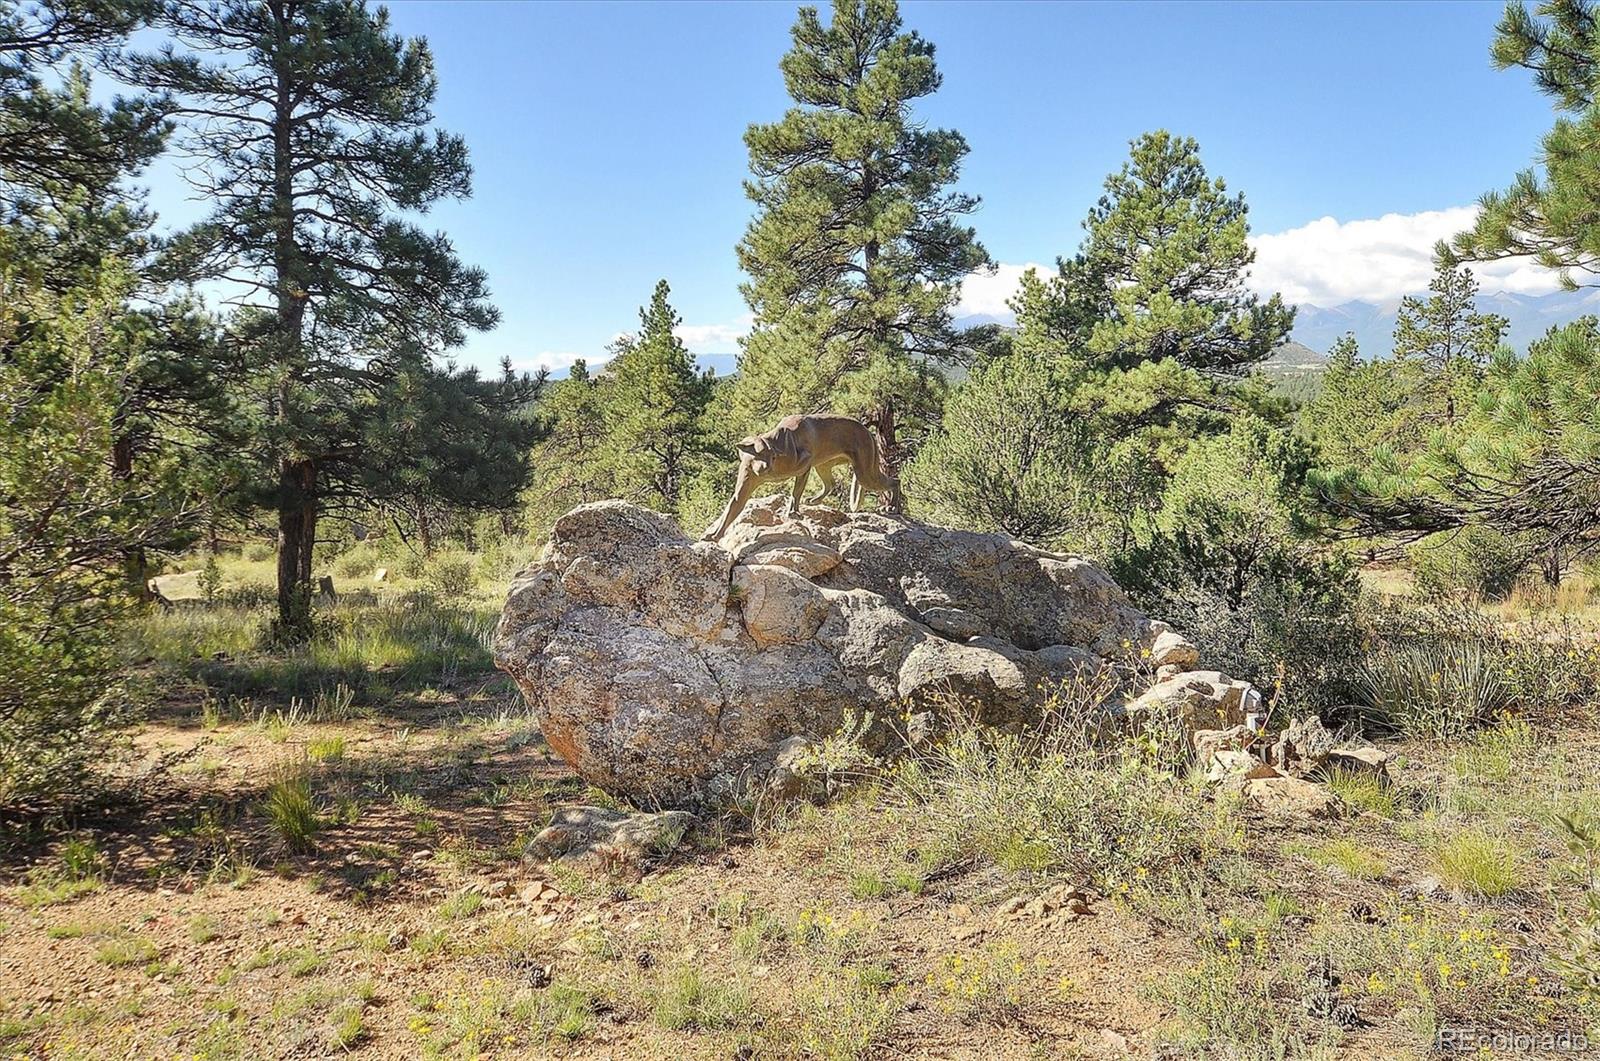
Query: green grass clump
x,y
1365,790
78,869
687,999
1475,863
126,950
462,905
1435,691
325,749
292,811
1347,856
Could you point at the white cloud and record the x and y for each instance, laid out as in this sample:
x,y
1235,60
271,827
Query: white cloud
x,y
986,294
554,360
1328,262
715,338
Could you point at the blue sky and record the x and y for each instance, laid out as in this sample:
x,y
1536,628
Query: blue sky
x,y
606,140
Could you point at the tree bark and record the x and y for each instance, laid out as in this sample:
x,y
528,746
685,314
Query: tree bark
x,y
135,562
1550,565
297,535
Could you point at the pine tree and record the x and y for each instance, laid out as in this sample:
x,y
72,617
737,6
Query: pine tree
x,y
572,467
1161,271
1554,218
1447,338
311,121
1523,462
52,139
857,249
655,399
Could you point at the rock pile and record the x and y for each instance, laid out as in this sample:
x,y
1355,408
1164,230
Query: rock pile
x,y
1280,776
671,671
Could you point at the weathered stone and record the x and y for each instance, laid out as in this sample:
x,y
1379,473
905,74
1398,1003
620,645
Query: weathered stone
x,y
1228,762
1173,649
1207,742
791,777
579,830
1292,796
1363,758
1303,747
663,668
779,606
1201,700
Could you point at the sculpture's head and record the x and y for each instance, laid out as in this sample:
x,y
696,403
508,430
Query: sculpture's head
x,y
755,455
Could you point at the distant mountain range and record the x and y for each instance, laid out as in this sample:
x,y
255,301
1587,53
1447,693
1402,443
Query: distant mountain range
x,y
1373,323
1317,328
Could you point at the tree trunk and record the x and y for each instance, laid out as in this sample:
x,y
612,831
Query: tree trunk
x,y
297,535
135,562
1550,565
887,442
425,529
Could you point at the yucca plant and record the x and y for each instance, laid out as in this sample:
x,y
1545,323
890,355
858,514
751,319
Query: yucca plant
x,y
1433,689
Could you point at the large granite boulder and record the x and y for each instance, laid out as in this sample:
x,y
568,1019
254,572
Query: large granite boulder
x,y
663,668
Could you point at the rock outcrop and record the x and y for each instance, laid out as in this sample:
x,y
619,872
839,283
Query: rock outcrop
x,y
665,669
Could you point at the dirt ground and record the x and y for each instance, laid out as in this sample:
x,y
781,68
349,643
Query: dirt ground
x,y
418,926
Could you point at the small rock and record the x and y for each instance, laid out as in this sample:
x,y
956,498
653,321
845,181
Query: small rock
x,y
498,889
1303,747
1207,742
1292,795
1172,649
1366,758
1228,763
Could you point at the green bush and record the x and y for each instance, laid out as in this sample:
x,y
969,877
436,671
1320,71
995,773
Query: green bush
x,y
1474,560
1288,619
1230,565
356,562
450,575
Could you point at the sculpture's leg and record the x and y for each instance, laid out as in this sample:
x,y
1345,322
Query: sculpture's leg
x,y
855,495
825,473
741,494
798,494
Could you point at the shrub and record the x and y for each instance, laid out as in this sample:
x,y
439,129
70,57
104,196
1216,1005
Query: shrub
x,y
686,999
988,794
1230,564
984,985
1578,959
450,575
1474,560
1542,665
844,1016
358,561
